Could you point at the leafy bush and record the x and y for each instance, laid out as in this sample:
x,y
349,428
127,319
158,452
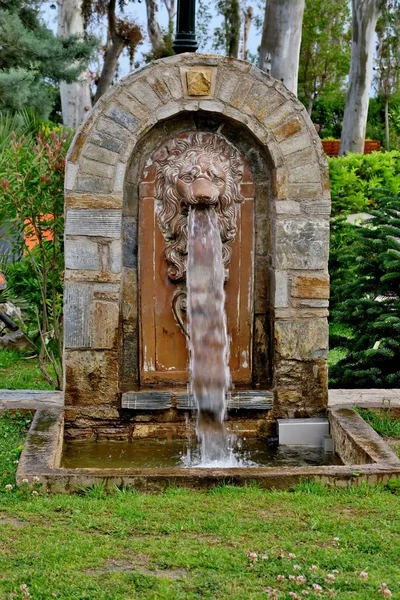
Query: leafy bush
x,y
32,207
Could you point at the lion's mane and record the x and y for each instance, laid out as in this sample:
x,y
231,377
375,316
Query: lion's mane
x,y
172,217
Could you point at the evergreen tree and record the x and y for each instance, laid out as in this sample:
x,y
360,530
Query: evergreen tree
x,y
368,302
33,60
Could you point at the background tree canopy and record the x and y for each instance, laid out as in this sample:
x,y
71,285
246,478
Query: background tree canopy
x,y
33,60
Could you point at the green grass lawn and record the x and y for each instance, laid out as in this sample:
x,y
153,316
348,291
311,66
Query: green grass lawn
x,y
384,423
20,373
227,543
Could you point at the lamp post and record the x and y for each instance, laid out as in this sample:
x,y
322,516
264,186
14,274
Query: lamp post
x,y
185,37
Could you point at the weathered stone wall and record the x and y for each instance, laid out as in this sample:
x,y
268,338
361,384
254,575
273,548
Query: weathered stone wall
x,y
296,221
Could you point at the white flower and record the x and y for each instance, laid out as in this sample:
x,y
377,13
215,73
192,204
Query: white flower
x,y
292,577
317,588
314,567
300,579
330,578
25,481
297,567
8,487
36,479
305,592
264,556
291,555
364,575
281,578
253,556
35,493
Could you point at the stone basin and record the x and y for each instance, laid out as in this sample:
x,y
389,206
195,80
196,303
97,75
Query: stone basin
x,y
365,457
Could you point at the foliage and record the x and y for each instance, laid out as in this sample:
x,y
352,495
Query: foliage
x,y
382,421
366,290
18,372
33,60
32,206
325,50
13,428
226,37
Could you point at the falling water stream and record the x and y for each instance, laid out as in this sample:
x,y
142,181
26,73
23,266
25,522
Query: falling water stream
x,y
208,338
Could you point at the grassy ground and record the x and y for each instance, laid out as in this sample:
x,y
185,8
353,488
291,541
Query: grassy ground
x,y
385,424
19,373
227,543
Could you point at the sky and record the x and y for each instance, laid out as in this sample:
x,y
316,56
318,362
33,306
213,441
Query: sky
x,y
137,11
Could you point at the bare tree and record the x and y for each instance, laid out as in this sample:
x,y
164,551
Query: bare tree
x,y
75,97
121,33
365,16
281,39
248,17
161,42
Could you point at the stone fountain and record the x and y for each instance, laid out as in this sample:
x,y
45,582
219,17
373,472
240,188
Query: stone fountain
x,y
189,133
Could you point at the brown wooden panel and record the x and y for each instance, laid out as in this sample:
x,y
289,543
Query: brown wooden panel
x,y
163,350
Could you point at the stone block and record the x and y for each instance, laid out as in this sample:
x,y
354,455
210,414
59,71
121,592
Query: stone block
x,y
287,129
226,84
122,118
101,223
261,285
278,115
106,141
314,303
105,325
304,190
119,177
199,82
262,235
211,106
98,169
91,377
93,184
279,183
295,143
269,102
115,256
281,289
173,81
301,388
81,253
109,292
129,305
99,154
316,207
302,340
143,92
310,173
287,207
112,129
77,317
167,110
156,81
71,172
310,286
302,244
242,88
129,242
302,158
78,200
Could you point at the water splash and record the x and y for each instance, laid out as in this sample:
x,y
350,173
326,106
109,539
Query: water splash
x,y
208,339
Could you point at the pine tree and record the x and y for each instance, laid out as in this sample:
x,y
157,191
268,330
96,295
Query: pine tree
x,y
369,302
33,60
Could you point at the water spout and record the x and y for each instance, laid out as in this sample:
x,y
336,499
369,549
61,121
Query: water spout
x,y
208,337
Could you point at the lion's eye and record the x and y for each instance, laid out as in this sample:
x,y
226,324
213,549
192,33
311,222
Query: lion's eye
x,y
218,180
187,178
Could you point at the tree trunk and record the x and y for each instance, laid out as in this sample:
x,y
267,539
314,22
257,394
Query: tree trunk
x,y
281,39
387,137
153,28
234,39
248,17
365,16
109,67
75,97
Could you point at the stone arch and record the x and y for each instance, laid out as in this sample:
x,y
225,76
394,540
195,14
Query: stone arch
x,y
299,211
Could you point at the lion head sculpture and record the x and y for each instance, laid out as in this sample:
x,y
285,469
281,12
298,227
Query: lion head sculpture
x,y
201,169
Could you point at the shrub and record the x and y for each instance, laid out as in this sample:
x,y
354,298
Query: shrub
x,y
32,206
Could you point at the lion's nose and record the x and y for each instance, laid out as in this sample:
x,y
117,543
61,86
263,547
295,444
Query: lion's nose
x,y
202,190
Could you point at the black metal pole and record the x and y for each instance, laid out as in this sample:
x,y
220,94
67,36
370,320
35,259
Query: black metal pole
x,y
185,37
